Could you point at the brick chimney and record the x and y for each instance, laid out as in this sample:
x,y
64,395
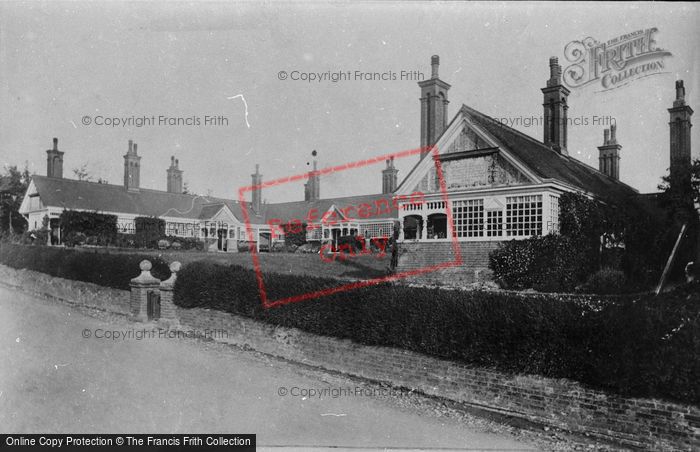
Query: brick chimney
x,y
389,177
609,153
312,189
54,161
433,101
680,126
174,176
256,195
555,108
132,168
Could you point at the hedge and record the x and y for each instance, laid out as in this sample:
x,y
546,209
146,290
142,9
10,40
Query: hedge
x,y
148,231
110,270
637,347
77,226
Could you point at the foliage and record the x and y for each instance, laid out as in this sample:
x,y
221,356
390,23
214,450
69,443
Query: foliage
x,y
606,281
149,230
94,266
642,347
78,225
345,242
294,234
13,186
633,241
552,263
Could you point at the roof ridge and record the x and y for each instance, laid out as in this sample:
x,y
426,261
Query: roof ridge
x,y
509,128
569,158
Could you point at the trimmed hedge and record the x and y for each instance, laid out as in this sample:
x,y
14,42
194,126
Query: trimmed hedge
x,y
77,226
148,231
644,347
110,270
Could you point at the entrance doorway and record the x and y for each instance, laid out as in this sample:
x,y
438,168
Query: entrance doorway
x,y
222,243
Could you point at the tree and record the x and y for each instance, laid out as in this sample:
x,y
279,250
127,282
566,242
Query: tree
x,y
13,186
82,173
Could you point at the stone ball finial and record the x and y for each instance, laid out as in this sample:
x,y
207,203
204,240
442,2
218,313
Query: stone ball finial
x,y
145,265
175,267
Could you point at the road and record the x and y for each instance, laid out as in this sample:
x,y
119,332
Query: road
x,y
53,380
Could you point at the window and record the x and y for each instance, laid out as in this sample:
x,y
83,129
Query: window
x,y
554,214
524,215
468,217
494,223
376,229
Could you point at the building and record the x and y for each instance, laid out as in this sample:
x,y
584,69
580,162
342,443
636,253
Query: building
x,y
501,185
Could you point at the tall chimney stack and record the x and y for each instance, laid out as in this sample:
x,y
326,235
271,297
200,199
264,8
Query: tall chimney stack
x,y
54,161
555,109
433,101
174,180
609,154
680,126
256,194
132,168
389,177
312,188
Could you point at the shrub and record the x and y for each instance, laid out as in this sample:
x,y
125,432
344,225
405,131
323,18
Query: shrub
x,y
552,263
643,347
294,234
102,227
35,237
163,244
606,281
347,241
149,230
73,238
185,243
105,269
176,245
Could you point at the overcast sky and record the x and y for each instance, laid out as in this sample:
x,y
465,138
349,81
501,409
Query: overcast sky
x,y
63,61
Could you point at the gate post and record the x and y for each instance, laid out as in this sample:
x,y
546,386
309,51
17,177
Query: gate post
x,y
168,312
140,286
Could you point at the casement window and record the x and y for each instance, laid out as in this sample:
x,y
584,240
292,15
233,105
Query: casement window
x,y
524,215
494,223
554,214
468,217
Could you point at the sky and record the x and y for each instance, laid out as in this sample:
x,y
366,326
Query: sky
x,y
63,62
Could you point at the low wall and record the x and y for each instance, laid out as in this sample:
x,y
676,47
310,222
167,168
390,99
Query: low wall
x,y
645,423
72,292
642,423
474,269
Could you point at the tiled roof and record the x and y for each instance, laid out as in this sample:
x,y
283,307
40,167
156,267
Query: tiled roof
x,y
73,194
549,164
302,210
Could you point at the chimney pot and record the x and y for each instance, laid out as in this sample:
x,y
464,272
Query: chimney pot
x,y
435,64
606,136
131,146
680,90
135,146
613,129
55,144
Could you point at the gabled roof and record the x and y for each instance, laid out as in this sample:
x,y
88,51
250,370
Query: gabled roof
x,y
548,163
302,210
82,195
543,161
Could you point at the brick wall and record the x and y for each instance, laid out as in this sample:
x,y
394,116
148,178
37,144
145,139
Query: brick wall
x,y
650,424
72,292
475,258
